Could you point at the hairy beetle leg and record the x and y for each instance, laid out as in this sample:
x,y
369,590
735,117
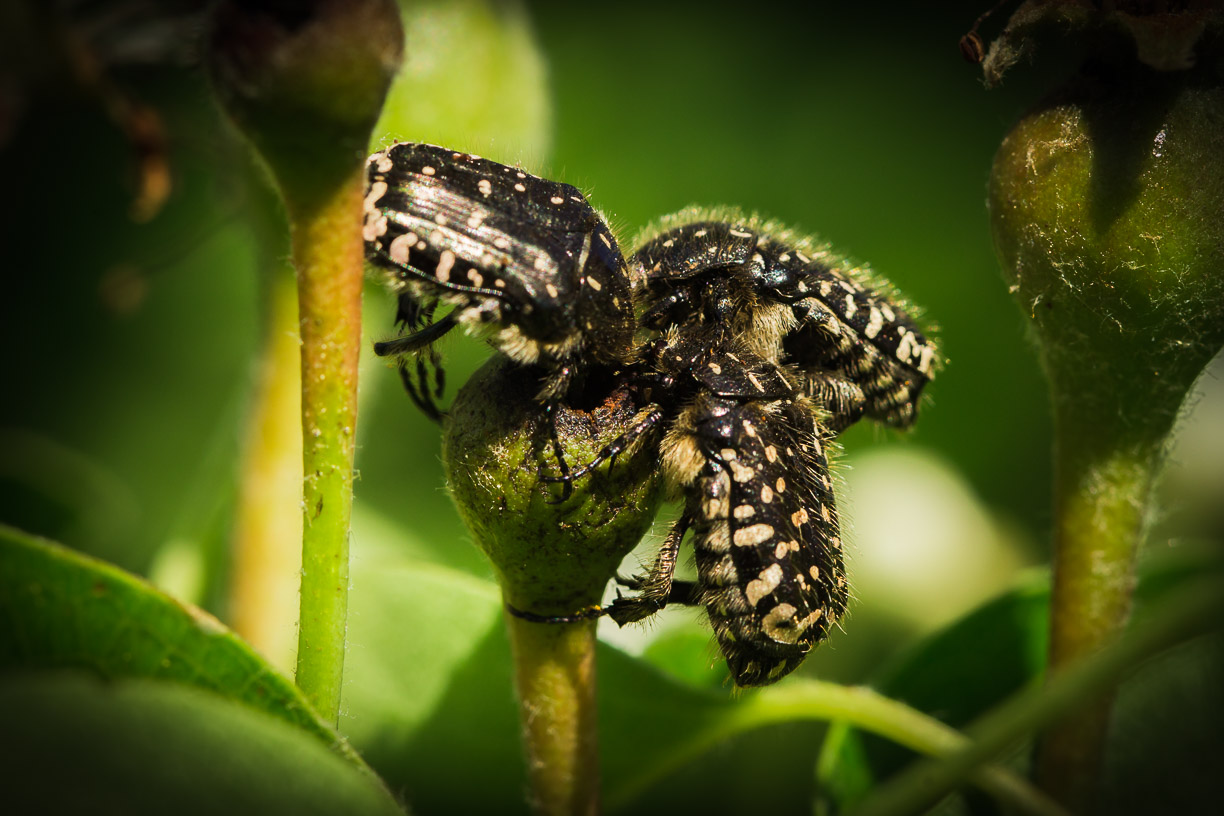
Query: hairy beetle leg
x,y
611,450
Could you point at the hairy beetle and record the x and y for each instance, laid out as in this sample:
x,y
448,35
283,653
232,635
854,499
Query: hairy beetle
x,y
746,451
791,301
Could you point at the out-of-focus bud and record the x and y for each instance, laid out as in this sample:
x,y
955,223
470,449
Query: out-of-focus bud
x,y
305,81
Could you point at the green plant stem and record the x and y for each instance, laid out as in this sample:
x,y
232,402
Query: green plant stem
x,y
1195,611
873,712
864,709
268,522
327,252
1103,489
555,680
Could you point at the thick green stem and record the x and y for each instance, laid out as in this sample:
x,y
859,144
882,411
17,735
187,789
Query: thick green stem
x,y
555,679
327,251
1103,491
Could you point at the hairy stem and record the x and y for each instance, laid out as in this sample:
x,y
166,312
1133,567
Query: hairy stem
x,y
327,251
555,679
1102,495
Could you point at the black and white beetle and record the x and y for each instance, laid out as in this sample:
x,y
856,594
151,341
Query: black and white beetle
x,y
745,449
762,347
791,301
526,259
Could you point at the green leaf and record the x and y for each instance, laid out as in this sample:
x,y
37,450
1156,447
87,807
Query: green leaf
x,y
61,609
1174,702
473,78
428,693
429,667
956,673
968,668
76,744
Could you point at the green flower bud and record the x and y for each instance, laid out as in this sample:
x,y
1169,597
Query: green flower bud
x,y
305,82
551,557
1107,206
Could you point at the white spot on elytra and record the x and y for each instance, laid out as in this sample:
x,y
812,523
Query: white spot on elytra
x,y
739,472
427,170
485,187
520,188
557,200
594,283
744,511
765,583
398,251
445,262
779,624
752,535
874,323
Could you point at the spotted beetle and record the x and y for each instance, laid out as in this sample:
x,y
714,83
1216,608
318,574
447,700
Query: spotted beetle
x,y
793,302
528,259
745,449
762,347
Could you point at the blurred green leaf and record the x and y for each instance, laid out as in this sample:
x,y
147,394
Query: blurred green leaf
x,y
970,667
429,696
473,78
1173,702
428,692
76,744
60,609
955,674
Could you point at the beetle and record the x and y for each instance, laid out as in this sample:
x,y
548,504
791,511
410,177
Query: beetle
x,y
794,302
524,260
745,449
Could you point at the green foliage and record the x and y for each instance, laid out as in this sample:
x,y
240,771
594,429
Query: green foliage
x,y
74,744
64,610
127,373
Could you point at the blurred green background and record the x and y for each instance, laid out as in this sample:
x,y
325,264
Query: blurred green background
x,y
127,348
